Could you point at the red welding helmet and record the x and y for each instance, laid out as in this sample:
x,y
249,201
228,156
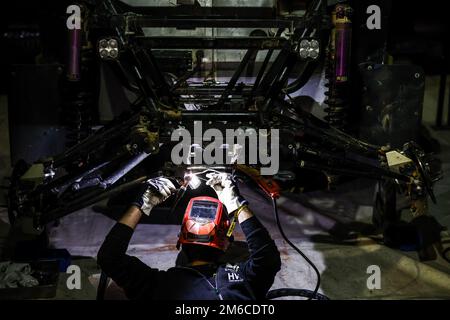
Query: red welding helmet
x,y
204,224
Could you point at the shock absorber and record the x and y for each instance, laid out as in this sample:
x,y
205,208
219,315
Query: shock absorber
x,y
78,115
337,66
79,102
343,33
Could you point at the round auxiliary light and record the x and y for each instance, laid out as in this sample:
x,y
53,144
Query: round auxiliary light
x,y
309,49
103,43
305,44
104,53
304,53
314,44
113,53
112,43
108,48
313,54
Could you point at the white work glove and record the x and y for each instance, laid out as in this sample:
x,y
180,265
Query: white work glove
x,y
153,192
226,190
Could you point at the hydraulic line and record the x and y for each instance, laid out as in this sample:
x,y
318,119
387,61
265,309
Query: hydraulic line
x,y
305,75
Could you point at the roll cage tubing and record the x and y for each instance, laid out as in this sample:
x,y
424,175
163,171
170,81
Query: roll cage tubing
x,y
103,164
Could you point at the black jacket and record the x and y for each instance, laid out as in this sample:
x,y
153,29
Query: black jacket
x,y
243,281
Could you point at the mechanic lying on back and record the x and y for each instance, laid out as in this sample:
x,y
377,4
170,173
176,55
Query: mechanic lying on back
x,y
204,238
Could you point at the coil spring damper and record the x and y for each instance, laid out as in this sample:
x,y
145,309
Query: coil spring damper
x,y
337,66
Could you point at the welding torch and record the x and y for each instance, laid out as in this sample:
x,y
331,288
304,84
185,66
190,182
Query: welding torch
x,y
191,179
179,195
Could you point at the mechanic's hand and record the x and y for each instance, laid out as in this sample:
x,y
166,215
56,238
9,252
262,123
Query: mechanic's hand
x,y
153,192
226,190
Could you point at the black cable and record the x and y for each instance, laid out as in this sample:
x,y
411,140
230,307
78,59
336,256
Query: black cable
x,y
284,292
314,293
101,288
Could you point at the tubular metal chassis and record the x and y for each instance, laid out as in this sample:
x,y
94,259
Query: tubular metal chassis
x,y
105,163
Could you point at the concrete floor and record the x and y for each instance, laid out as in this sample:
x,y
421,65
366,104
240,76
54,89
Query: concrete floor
x,y
308,220
343,267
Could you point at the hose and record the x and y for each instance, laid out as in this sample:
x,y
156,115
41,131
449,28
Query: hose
x,y
290,291
300,82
